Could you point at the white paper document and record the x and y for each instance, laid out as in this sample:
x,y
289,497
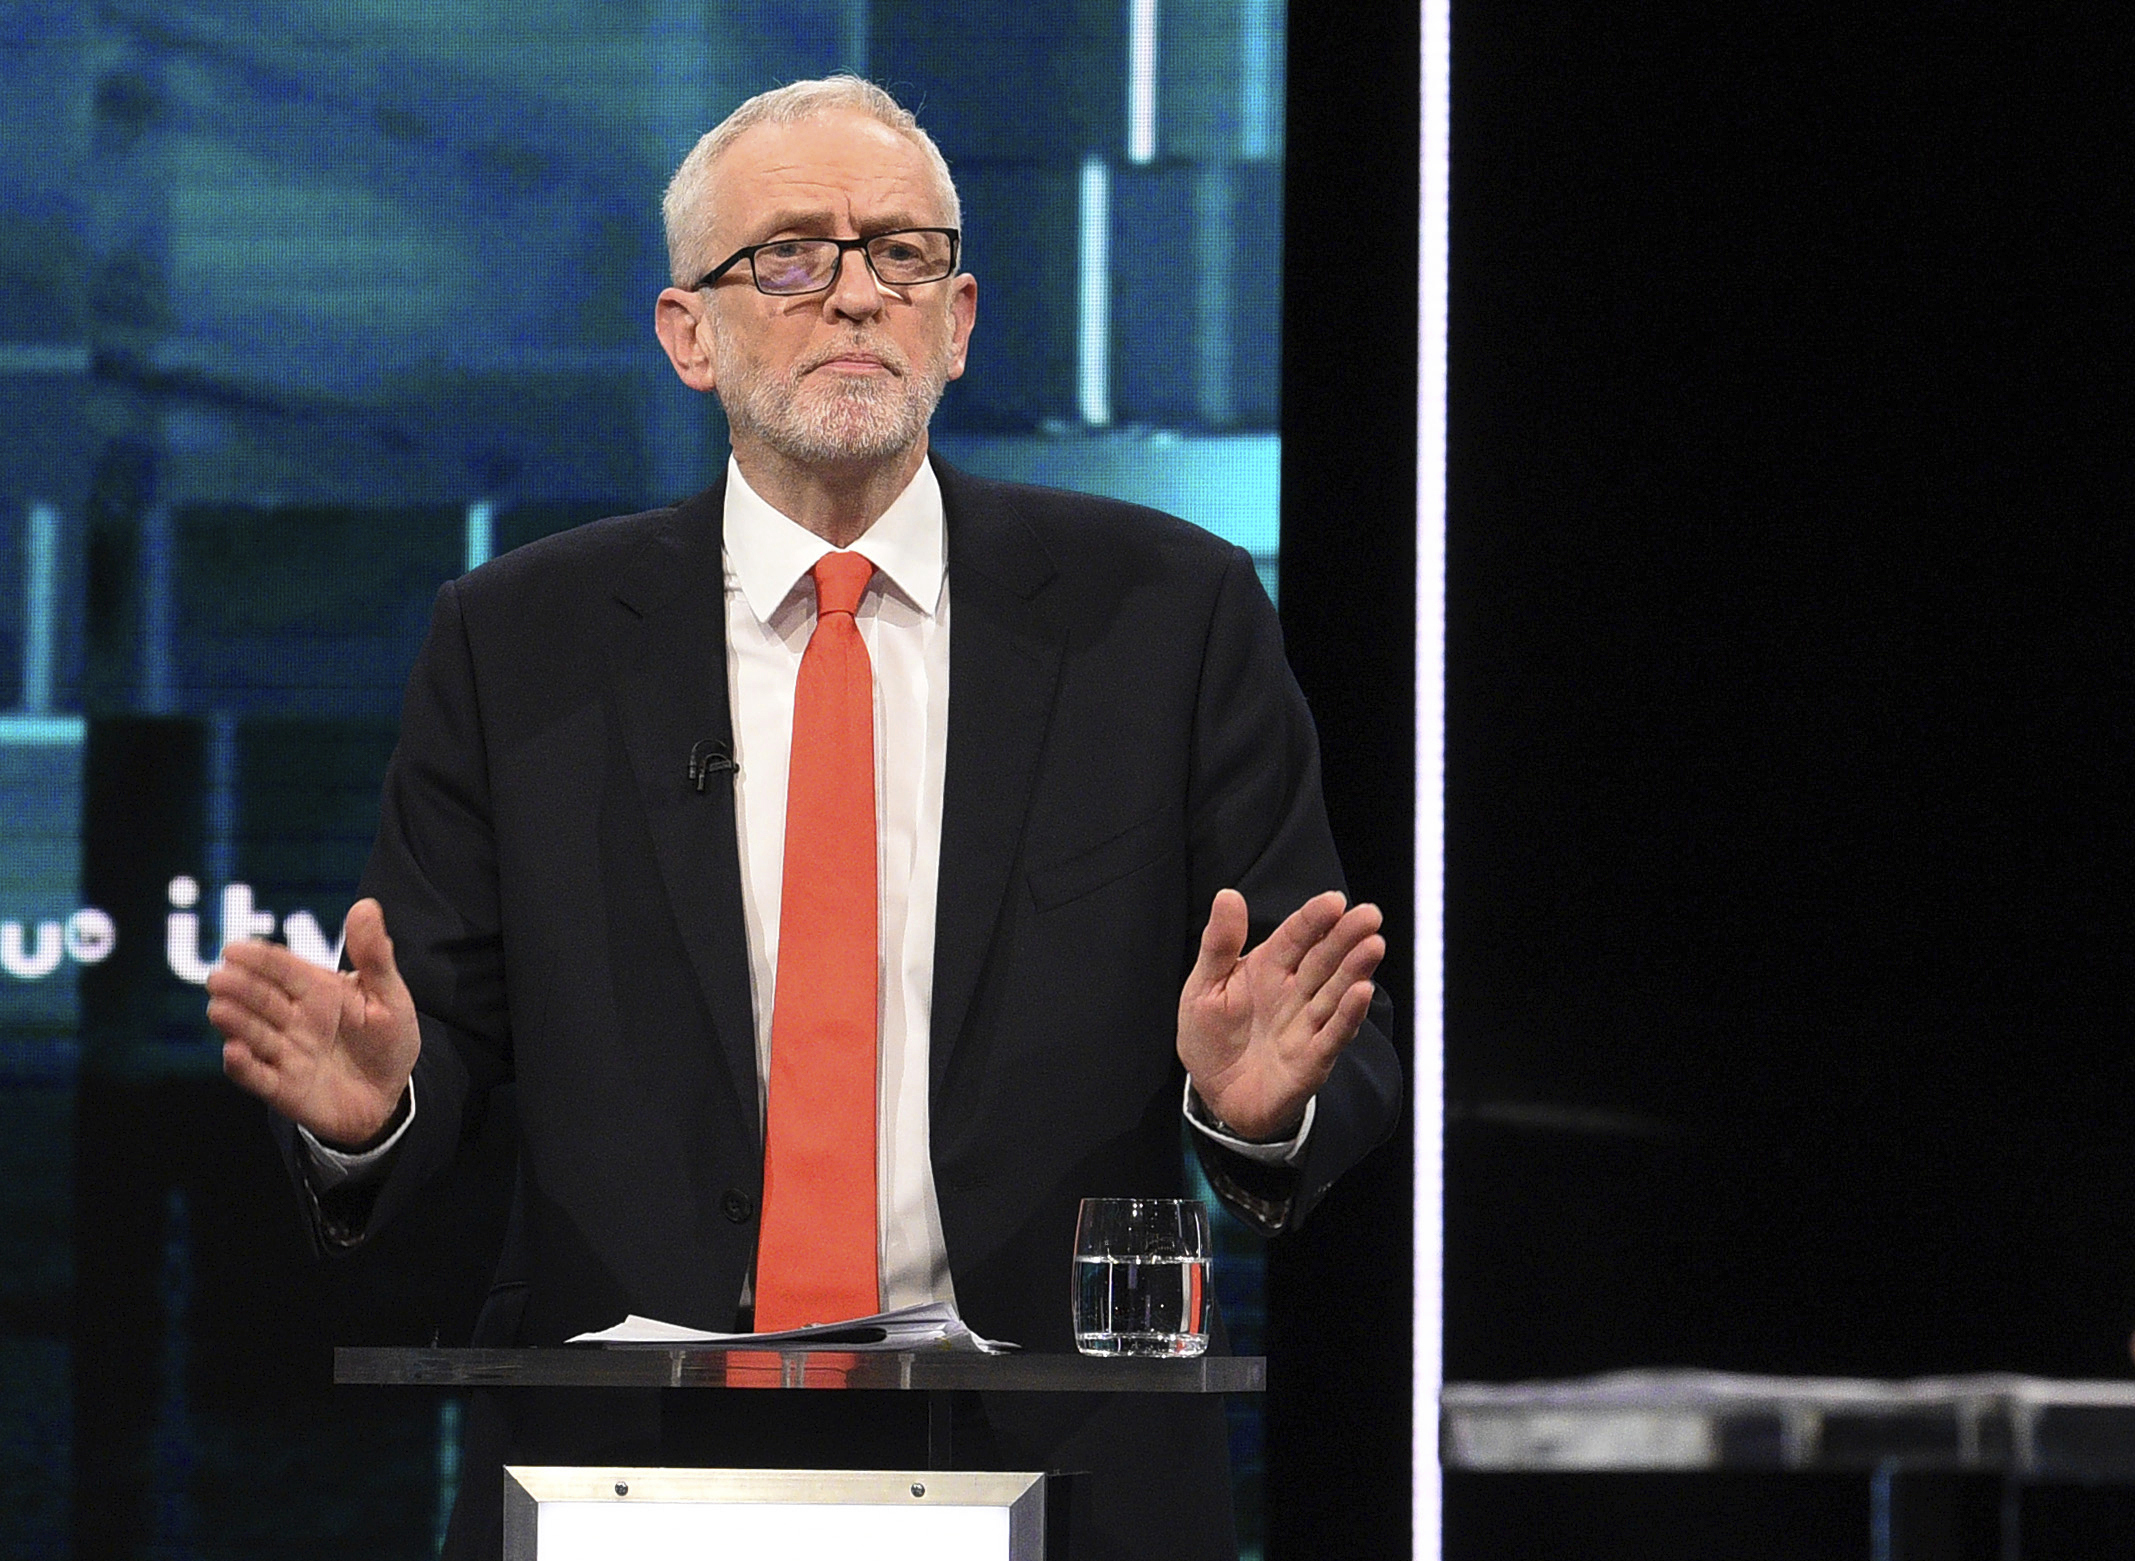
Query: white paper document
x,y
932,1325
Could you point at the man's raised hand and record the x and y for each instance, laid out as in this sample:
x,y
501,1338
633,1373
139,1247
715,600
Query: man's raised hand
x,y
329,1049
1260,1033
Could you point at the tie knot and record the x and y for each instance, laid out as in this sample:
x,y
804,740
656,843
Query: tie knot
x,y
840,581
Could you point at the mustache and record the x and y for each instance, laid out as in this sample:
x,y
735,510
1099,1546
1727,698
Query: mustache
x,y
883,352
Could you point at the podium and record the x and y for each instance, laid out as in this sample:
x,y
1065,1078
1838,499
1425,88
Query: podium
x,y
1911,1438
559,1514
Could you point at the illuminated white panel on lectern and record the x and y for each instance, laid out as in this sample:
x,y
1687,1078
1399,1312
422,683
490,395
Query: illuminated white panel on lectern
x,y
589,1514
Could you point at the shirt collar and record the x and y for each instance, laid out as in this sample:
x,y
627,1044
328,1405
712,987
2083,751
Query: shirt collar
x,y
768,553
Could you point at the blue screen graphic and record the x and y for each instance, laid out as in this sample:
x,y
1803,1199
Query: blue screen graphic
x,y
306,308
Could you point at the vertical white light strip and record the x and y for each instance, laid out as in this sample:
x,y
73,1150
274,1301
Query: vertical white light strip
x,y
1093,315
1429,979
1141,81
40,595
481,532
1257,107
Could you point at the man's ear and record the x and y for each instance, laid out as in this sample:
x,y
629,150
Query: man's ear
x,y
964,311
678,319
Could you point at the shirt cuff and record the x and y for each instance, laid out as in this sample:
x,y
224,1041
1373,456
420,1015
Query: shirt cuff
x,y
1288,1152
333,1167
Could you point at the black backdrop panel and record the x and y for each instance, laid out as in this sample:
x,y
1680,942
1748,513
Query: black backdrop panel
x,y
1787,962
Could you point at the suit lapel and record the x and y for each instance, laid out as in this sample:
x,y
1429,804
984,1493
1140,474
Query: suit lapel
x,y
1004,668
670,694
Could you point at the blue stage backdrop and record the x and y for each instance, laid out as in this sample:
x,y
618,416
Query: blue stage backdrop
x,y
305,308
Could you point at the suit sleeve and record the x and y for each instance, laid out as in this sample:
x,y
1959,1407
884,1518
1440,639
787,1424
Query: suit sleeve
x,y
1258,824
433,869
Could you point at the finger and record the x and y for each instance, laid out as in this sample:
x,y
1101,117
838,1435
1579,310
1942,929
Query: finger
x,y
1222,941
306,1020
247,1072
246,1028
1360,962
250,990
271,964
1356,967
1317,1052
1303,928
370,950
1348,1018
1334,948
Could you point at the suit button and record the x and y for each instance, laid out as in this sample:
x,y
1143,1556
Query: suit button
x,y
736,1206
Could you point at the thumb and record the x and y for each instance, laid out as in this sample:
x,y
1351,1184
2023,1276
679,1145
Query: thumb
x,y
369,949
1222,941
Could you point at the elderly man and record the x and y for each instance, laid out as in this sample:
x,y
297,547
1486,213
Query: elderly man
x,y
837,942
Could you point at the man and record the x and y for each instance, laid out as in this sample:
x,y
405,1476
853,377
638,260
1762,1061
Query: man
x,y
629,864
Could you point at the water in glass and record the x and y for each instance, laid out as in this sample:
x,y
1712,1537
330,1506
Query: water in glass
x,y
1141,1306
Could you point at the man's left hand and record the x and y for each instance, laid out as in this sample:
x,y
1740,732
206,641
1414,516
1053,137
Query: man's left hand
x,y
1260,1032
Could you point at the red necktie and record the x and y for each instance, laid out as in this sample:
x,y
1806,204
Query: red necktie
x,y
815,1256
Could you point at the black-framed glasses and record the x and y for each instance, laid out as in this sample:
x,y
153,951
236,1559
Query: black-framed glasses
x,y
790,267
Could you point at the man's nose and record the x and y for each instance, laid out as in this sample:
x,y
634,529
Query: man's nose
x,y
854,293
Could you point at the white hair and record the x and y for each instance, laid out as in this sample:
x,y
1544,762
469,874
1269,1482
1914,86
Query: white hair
x,y
687,206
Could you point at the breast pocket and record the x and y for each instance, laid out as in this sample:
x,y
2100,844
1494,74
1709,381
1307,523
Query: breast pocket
x,y
1086,872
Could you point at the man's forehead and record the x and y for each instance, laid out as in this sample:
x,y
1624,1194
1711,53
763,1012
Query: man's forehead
x,y
823,166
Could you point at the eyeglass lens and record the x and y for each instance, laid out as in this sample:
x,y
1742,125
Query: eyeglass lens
x,y
806,265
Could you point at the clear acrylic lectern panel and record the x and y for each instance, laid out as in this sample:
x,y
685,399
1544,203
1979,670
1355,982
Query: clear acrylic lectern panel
x,y
562,1514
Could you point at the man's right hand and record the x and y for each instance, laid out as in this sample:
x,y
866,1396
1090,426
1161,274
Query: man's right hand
x,y
329,1049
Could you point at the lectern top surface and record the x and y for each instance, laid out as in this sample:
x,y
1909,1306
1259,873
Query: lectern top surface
x,y
640,1366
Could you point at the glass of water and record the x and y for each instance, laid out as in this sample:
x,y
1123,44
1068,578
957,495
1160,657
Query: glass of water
x,y
1141,1277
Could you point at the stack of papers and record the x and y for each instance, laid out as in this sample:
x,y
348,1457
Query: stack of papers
x,y
933,1325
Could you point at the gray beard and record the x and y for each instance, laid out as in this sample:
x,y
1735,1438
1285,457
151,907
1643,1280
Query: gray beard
x,y
827,423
